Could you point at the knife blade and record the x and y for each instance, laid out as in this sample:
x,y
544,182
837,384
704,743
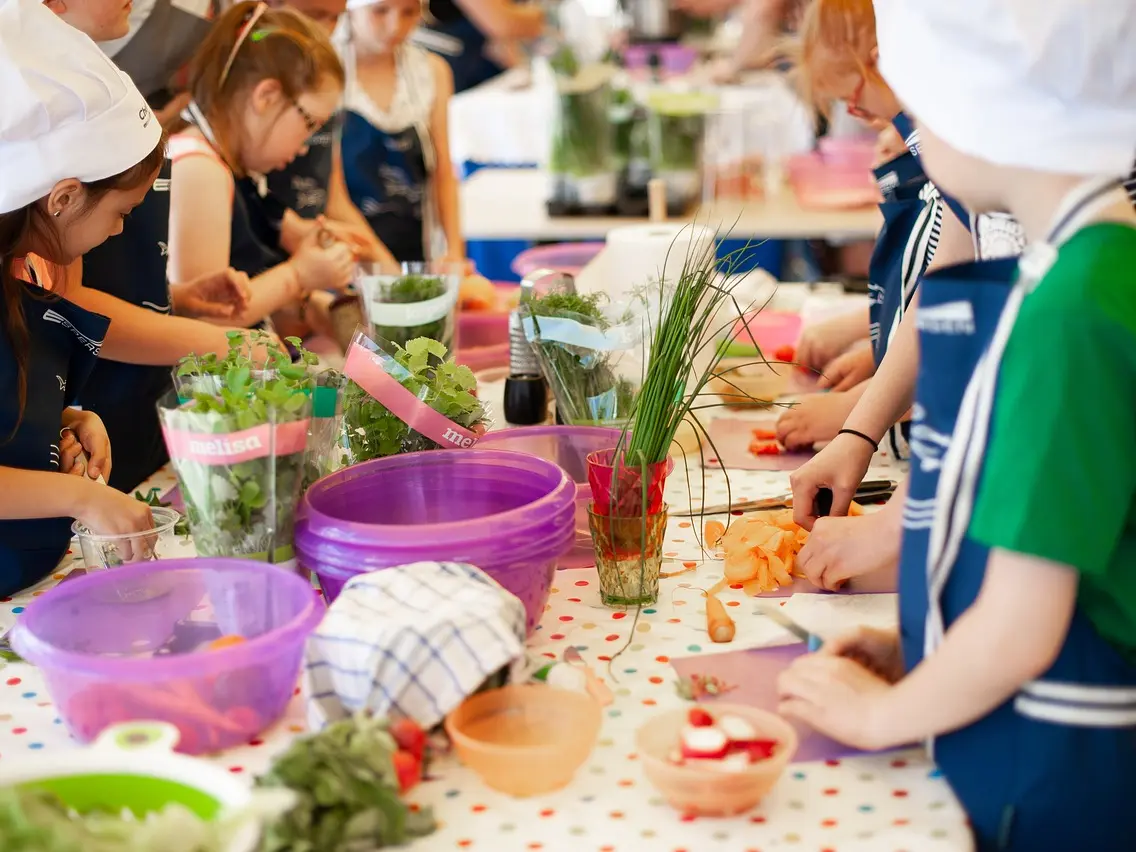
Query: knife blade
x,y
775,614
867,491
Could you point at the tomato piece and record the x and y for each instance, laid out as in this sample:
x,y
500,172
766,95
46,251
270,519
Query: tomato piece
x,y
409,737
699,718
785,353
408,769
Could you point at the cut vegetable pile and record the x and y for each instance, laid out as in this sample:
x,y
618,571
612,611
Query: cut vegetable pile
x,y
759,550
764,443
726,744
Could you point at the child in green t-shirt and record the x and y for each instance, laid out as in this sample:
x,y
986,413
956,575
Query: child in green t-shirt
x,y
1017,646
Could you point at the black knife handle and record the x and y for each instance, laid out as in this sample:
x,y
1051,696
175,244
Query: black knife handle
x,y
822,502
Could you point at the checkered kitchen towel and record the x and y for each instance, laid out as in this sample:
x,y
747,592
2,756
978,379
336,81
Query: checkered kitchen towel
x,y
415,640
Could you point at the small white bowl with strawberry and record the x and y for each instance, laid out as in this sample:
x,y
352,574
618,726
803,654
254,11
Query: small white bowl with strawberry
x,y
717,761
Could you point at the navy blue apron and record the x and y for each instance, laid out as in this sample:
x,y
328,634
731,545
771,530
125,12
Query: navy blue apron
x,y
910,133
387,179
63,345
132,267
457,39
913,216
1053,768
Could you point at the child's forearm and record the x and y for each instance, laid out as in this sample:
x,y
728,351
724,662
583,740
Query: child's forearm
x,y
268,292
139,336
28,494
449,209
293,229
890,392
1022,612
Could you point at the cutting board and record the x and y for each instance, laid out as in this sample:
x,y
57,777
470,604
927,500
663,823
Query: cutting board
x,y
754,675
731,436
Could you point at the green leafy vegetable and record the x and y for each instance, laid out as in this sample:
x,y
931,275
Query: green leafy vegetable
x,y
582,138
245,508
152,498
347,789
406,290
371,430
34,820
585,382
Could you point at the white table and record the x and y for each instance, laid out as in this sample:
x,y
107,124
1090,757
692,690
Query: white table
x,y
509,204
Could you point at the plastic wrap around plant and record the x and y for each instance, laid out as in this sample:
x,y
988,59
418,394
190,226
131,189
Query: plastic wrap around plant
x,y
417,303
325,429
406,400
582,158
592,354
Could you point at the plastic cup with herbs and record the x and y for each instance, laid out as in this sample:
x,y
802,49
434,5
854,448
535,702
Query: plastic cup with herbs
x,y
629,555
418,302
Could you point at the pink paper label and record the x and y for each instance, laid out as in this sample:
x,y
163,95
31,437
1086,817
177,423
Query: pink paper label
x,y
366,370
284,439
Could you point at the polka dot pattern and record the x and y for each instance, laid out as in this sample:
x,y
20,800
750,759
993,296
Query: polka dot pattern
x,y
610,806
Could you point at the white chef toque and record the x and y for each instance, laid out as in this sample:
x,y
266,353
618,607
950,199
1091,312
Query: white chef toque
x,y
66,111
1048,85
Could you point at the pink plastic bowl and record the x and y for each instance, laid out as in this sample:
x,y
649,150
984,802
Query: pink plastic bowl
x,y
562,257
568,447
483,336
120,646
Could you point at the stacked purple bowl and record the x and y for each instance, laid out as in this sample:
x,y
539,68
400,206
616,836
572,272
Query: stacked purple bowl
x,y
510,514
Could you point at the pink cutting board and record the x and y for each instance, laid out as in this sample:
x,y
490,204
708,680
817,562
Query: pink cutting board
x,y
731,438
768,330
754,673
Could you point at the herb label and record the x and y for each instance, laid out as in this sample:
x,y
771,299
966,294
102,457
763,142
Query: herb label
x,y
366,370
283,439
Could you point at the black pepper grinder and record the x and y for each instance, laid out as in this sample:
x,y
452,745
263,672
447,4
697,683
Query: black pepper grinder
x,y
526,392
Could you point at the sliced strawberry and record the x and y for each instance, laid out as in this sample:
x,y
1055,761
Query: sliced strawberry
x,y
737,729
757,750
703,743
700,718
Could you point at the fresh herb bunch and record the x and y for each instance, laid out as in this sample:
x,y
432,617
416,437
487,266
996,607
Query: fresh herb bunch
x,y
348,792
582,136
371,430
153,498
405,290
246,508
587,387
676,129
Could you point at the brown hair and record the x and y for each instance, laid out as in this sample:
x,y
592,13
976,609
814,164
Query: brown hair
x,y
284,46
30,225
833,38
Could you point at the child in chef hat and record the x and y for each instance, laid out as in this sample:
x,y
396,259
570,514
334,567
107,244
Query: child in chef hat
x,y
1018,595
396,150
79,148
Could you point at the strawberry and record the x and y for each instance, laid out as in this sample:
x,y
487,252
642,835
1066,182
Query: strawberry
x,y
757,750
408,768
409,737
699,718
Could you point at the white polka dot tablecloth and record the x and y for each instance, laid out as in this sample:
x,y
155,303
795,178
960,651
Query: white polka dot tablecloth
x,y
885,803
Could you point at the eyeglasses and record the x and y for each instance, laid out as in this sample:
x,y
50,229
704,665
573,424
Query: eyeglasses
x,y
242,36
310,120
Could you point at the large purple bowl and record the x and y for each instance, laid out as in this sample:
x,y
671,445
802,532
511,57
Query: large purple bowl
x,y
568,447
510,514
130,645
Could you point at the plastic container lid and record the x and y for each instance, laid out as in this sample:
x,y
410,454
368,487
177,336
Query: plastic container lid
x,y
561,257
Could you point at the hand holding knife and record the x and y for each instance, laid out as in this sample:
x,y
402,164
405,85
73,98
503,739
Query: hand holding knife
x,y
869,491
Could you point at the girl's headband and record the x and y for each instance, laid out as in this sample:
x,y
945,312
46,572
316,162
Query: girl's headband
x,y
242,36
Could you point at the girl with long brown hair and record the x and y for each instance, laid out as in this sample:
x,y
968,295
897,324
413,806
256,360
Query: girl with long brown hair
x,y
79,149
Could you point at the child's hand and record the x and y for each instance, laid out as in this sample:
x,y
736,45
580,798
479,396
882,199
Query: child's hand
x,y
846,371
93,439
107,511
817,417
823,341
841,548
218,295
838,697
323,268
876,650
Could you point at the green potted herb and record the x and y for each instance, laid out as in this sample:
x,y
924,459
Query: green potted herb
x,y
383,388
416,303
676,126
236,430
590,352
582,161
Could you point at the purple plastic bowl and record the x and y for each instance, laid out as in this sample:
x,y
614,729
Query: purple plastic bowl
x,y
568,447
510,514
118,646
560,257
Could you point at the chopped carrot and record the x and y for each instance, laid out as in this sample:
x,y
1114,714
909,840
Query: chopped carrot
x,y
712,533
764,435
719,626
225,642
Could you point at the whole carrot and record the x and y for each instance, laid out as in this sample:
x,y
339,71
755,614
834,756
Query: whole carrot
x,y
719,625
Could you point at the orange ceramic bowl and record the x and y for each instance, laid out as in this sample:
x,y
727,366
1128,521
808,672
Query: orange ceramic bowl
x,y
698,791
525,740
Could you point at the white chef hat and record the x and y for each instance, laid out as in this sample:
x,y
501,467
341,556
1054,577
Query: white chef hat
x,y
66,111
1043,84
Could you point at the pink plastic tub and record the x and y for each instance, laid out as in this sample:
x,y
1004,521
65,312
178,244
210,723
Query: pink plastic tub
x,y
568,447
483,336
818,185
852,153
512,515
562,257
128,645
